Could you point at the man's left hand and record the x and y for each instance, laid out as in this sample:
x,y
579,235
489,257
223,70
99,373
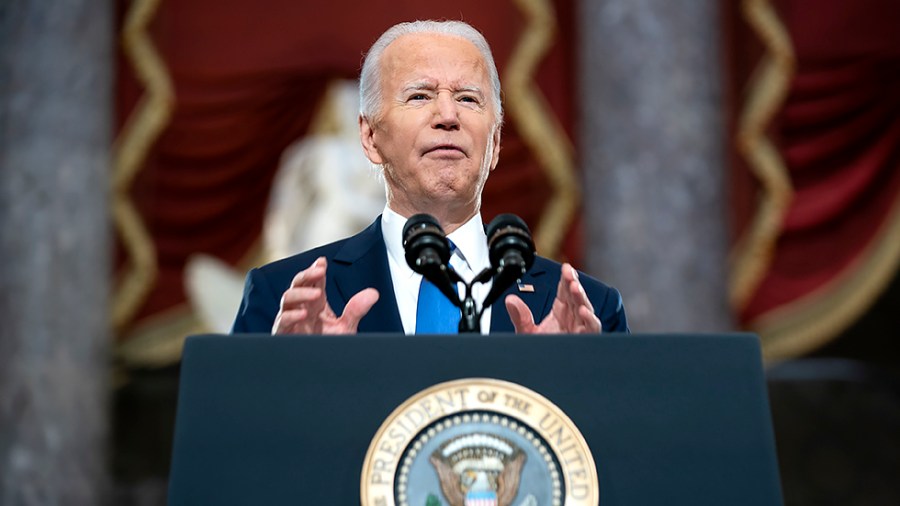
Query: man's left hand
x,y
572,312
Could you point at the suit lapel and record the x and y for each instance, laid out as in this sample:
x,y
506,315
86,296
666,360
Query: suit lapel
x,y
537,300
362,263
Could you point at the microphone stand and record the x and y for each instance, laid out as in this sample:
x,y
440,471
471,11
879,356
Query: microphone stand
x,y
470,315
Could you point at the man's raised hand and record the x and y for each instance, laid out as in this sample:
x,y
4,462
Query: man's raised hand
x,y
304,308
572,312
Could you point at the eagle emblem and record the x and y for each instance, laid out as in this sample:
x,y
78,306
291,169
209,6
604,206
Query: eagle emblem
x,y
478,442
478,470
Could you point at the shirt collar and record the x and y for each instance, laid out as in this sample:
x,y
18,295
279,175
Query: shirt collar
x,y
471,243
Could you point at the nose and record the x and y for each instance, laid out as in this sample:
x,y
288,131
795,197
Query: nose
x,y
446,114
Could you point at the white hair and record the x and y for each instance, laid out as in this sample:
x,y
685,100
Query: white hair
x,y
370,95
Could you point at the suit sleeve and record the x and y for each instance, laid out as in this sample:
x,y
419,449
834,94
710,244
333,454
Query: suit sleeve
x,y
259,306
612,313
607,302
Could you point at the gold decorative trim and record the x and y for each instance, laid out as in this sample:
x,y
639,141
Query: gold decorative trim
x,y
538,125
141,130
158,341
753,253
817,318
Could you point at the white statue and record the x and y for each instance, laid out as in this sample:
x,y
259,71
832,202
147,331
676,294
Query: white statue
x,y
325,189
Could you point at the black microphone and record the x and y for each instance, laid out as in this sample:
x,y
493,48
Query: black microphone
x,y
428,253
511,251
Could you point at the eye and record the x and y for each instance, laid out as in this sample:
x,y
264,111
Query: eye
x,y
469,99
417,96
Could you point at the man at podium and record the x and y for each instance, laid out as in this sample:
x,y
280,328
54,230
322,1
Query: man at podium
x,y
430,119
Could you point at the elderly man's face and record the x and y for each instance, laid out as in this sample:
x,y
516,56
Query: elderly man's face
x,y
435,133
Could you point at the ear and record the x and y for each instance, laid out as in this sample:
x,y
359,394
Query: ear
x,y
367,138
495,156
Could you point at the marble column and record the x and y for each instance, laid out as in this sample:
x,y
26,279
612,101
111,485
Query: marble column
x,y
651,141
55,115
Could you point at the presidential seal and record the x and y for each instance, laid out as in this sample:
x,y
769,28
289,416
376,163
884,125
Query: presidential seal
x,y
478,442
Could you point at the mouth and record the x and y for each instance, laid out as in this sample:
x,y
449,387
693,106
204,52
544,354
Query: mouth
x,y
446,150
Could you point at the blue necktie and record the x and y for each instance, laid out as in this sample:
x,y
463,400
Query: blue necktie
x,y
435,314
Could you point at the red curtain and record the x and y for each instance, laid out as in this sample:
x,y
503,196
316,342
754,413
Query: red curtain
x,y
838,133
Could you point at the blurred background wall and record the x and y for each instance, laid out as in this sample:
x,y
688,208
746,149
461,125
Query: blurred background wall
x,y
56,85
729,165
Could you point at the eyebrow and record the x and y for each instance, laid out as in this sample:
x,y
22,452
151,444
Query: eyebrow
x,y
425,85
422,85
470,89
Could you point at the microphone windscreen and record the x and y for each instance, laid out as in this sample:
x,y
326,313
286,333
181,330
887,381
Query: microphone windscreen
x,y
508,231
503,221
420,221
424,242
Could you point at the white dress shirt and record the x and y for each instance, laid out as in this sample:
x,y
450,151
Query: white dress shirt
x,y
469,258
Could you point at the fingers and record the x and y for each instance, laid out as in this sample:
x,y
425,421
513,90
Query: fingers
x,y
290,322
314,275
570,288
522,319
580,317
308,289
303,304
565,306
589,322
297,296
357,307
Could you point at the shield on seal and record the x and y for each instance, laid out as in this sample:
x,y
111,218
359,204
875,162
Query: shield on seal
x,y
479,470
481,498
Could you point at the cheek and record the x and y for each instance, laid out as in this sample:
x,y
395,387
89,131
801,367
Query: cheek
x,y
399,138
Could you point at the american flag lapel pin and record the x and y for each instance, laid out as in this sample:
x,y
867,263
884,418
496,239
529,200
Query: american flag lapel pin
x,y
524,287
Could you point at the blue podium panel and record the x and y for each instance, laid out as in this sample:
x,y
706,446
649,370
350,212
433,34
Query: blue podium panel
x,y
669,419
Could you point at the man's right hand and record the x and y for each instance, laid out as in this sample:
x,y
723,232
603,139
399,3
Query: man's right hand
x,y
304,308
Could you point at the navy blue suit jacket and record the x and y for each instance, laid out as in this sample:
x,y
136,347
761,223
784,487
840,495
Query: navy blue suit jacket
x,y
361,261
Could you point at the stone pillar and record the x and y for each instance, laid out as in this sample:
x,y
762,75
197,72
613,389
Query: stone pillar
x,y
55,115
651,141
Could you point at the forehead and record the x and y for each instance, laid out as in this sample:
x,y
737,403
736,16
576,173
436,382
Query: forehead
x,y
443,59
